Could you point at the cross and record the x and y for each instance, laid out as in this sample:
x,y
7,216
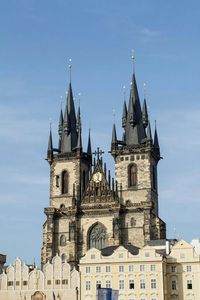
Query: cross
x,y
98,153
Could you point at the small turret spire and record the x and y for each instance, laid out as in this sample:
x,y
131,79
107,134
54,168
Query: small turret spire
x,y
149,136
89,148
50,147
124,115
78,125
156,142
145,114
114,138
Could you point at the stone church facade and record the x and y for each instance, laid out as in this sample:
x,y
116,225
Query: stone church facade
x,y
87,207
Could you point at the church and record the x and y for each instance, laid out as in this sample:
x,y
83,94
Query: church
x,y
87,207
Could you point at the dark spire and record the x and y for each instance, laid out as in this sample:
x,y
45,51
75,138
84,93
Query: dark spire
x,y
149,136
135,131
69,134
89,148
60,129
114,138
124,115
155,141
50,148
78,127
145,114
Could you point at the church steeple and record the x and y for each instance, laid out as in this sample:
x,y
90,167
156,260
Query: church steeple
x,y
114,138
156,142
89,147
69,134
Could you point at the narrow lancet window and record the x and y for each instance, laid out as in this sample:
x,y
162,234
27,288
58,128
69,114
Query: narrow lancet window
x,y
132,175
65,182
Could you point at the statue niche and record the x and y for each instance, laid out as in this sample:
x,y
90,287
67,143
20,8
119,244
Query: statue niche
x,y
97,237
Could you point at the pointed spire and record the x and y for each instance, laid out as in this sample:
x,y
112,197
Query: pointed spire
x,y
145,114
124,115
149,136
156,142
114,135
89,148
60,127
50,147
78,126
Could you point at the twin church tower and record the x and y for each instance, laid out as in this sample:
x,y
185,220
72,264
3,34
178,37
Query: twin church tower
x,y
87,207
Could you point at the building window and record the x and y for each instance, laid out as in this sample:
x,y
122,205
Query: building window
x,y
189,284
87,285
57,181
142,284
121,268
108,269
97,236
108,284
17,283
87,270
153,283
25,282
173,269
174,285
63,240
130,268
10,283
65,281
98,284
65,182
153,268
57,281
189,268
132,175
142,268
131,284
98,269
133,222
48,282
64,257
121,285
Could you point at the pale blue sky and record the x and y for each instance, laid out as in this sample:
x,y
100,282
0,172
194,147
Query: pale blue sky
x,y
36,40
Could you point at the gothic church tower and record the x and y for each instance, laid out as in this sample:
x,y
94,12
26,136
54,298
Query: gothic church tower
x,y
87,207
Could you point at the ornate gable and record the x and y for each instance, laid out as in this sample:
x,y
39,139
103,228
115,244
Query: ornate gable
x,y
99,189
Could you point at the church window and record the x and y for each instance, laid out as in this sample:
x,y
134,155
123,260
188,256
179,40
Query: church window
x,y
62,206
132,175
97,236
57,181
65,182
63,240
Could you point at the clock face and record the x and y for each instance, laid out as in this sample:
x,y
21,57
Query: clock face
x,y
97,177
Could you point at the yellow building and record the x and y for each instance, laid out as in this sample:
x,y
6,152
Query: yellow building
x,y
149,273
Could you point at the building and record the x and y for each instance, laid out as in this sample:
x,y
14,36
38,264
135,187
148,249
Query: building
x,y
2,262
56,282
87,207
150,273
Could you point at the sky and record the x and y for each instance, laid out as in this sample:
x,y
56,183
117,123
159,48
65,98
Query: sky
x,y
37,39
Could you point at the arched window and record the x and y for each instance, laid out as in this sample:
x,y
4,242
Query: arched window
x,y
63,240
64,257
97,236
62,206
132,175
133,222
65,182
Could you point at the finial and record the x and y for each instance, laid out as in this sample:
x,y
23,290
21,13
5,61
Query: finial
x,y
61,101
124,92
133,59
145,89
155,124
113,113
70,69
50,124
79,99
